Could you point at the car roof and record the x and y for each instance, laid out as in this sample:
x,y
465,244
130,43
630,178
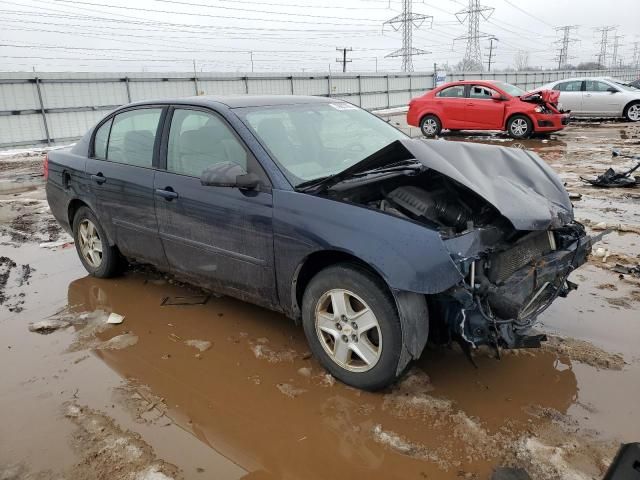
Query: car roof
x,y
608,79
239,101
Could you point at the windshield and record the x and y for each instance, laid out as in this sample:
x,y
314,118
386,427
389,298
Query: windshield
x,y
312,141
625,86
510,89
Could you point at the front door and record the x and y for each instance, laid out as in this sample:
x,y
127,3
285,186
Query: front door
x,y
570,96
598,100
452,103
121,177
483,112
221,237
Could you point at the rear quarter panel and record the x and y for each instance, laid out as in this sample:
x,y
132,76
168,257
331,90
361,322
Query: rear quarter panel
x,y
67,181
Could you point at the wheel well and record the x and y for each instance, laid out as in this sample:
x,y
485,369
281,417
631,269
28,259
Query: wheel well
x,y
320,260
624,110
74,206
427,114
506,123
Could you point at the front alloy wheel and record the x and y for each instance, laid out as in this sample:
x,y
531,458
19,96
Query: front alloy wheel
x,y
520,127
633,112
348,330
351,323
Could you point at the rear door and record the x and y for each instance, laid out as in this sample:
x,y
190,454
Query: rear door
x,y
221,237
121,171
483,112
570,96
597,100
452,102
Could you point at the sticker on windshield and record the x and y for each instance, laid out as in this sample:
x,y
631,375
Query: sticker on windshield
x,y
343,106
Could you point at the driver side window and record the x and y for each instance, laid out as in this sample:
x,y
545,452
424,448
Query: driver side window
x,y
480,92
198,140
596,86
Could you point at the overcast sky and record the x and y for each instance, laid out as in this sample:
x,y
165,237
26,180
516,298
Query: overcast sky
x,y
291,35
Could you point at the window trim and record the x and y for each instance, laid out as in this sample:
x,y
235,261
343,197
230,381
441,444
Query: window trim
x,y
266,184
156,144
465,90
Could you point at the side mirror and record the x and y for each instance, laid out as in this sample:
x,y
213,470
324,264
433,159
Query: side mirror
x,y
497,96
228,174
612,90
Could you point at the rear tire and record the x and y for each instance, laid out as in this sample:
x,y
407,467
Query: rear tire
x,y
430,126
520,126
352,326
632,112
97,256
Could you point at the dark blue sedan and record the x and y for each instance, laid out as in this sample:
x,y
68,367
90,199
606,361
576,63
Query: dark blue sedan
x,y
315,208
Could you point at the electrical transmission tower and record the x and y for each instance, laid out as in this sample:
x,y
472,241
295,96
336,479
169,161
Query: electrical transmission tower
x,y
564,42
406,22
616,46
604,43
473,56
343,60
636,54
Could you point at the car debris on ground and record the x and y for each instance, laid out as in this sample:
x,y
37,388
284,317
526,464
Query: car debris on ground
x,y
613,179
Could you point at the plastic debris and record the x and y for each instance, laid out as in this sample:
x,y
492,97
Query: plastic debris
x,y
48,326
190,300
63,244
202,345
613,179
634,271
115,318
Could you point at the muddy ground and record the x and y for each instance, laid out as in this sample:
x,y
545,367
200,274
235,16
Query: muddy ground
x,y
227,390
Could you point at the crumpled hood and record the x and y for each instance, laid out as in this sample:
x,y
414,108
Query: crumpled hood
x,y
518,183
547,96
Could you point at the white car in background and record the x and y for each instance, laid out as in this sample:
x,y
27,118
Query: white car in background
x,y
598,97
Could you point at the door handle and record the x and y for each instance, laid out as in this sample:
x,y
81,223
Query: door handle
x,y
167,193
99,178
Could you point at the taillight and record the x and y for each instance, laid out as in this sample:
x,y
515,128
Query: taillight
x,y
45,167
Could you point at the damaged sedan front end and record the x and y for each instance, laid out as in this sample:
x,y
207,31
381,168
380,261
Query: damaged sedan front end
x,y
503,216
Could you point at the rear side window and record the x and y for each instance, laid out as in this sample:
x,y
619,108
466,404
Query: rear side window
x,y
596,86
100,140
573,86
132,137
198,140
456,91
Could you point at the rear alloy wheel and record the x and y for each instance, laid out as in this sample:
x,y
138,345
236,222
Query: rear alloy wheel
x,y
430,126
520,126
98,257
352,326
633,112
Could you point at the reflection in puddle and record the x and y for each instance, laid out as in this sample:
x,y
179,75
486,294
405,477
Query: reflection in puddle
x,y
444,417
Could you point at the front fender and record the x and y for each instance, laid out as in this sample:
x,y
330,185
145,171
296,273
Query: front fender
x,y
409,257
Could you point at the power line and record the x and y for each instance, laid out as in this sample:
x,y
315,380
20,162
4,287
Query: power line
x,y
473,56
406,21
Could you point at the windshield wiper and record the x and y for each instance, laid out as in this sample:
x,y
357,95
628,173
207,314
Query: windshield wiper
x,y
400,166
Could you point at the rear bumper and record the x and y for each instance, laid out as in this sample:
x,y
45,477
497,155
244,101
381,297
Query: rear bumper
x,y
550,123
502,313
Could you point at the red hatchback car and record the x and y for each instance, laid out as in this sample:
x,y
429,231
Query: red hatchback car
x,y
486,105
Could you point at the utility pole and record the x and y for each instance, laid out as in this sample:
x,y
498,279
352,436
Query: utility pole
x,y
564,42
604,43
616,45
407,21
343,60
636,54
473,56
251,57
491,40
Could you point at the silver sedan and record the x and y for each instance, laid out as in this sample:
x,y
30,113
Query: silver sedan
x,y
598,97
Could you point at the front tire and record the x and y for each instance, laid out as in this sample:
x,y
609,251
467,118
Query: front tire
x,y
520,126
632,112
430,126
352,326
97,256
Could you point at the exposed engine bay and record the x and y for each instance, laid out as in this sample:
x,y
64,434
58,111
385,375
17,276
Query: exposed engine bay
x,y
510,275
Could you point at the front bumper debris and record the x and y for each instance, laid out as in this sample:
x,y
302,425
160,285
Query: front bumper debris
x,y
504,302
